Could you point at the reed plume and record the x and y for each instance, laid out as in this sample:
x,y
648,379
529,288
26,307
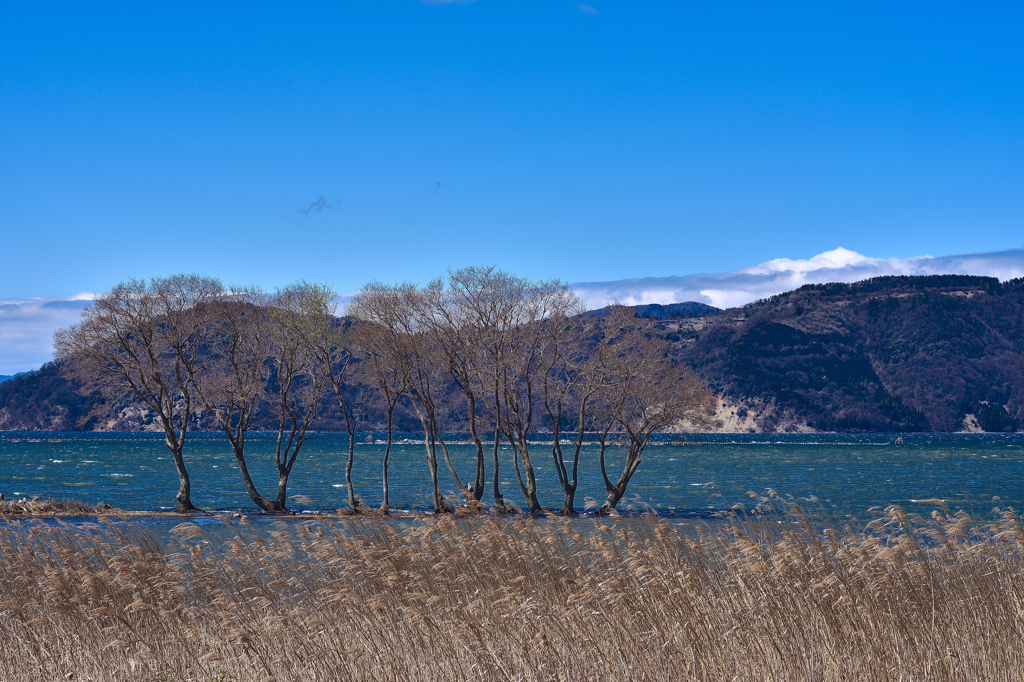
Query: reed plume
x,y
770,597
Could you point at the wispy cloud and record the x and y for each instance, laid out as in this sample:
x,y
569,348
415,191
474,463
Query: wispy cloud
x,y
729,289
586,9
27,326
319,206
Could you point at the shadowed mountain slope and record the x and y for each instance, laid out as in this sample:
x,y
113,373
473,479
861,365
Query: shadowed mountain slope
x,y
937,353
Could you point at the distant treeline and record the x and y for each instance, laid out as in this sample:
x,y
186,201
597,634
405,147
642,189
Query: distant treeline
x,y
478,351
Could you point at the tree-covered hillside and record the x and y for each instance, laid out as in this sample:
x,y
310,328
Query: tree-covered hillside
x,y
937,353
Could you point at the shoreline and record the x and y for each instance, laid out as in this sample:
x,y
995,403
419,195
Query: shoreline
x,y
64,509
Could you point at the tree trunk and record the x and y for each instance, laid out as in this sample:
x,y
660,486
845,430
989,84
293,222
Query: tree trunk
x,y
262,502
499,501
481,473
467,492
281,502
184,496
387,456
176,445
618,489
531,481
440,505
568,506
529,488
568,485
614,496
353,503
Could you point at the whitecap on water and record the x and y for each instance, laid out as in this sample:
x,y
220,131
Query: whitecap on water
x,y
338,485
119,475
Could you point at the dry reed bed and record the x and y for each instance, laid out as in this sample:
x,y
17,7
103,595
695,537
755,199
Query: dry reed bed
x,y
516,599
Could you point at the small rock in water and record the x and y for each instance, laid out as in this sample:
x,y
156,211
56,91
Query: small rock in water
x,y
1,497
35,499
104,505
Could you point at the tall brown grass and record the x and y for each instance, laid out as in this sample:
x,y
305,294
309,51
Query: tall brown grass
x,y
516,599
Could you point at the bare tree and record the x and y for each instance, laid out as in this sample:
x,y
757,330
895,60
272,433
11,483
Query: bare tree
x,y
144,338
234,370
452,331
384,369
265,347
643,393
394,308
301,317
442,342
523,372
382,348
490,303
338,349
576,369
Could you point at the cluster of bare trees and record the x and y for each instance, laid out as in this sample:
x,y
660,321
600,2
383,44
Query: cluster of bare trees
x,y
515,361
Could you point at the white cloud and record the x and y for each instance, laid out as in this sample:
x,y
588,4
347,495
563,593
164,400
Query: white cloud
x,y
27,326
729,289
586,9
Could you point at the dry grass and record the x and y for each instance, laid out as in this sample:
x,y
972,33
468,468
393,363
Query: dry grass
x,y
516,599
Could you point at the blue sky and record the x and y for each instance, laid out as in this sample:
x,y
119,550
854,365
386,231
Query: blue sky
x,y
624,140
592,142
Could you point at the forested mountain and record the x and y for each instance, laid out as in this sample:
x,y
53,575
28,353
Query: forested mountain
x,y
939,353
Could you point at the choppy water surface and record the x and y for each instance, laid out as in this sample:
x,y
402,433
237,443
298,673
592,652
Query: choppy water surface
x,y
844,474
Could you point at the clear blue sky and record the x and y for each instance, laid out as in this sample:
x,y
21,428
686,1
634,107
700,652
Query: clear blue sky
x,y
587,142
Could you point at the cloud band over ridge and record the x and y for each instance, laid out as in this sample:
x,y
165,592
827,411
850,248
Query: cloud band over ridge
x,y
736,288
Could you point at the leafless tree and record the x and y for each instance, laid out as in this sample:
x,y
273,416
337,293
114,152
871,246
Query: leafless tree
x,y
643,392
576,371
235,367
339,350
523,372
490,304
450,328
144,338
260,347
395,309
381,347
301,317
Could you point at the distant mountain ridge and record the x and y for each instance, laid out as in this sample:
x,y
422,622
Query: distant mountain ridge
x,y
889,354
667,311
932,353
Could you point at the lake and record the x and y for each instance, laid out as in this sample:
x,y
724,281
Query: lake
x,y
839,476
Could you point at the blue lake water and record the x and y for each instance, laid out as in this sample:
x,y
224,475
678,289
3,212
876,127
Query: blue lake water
x,y
680,476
